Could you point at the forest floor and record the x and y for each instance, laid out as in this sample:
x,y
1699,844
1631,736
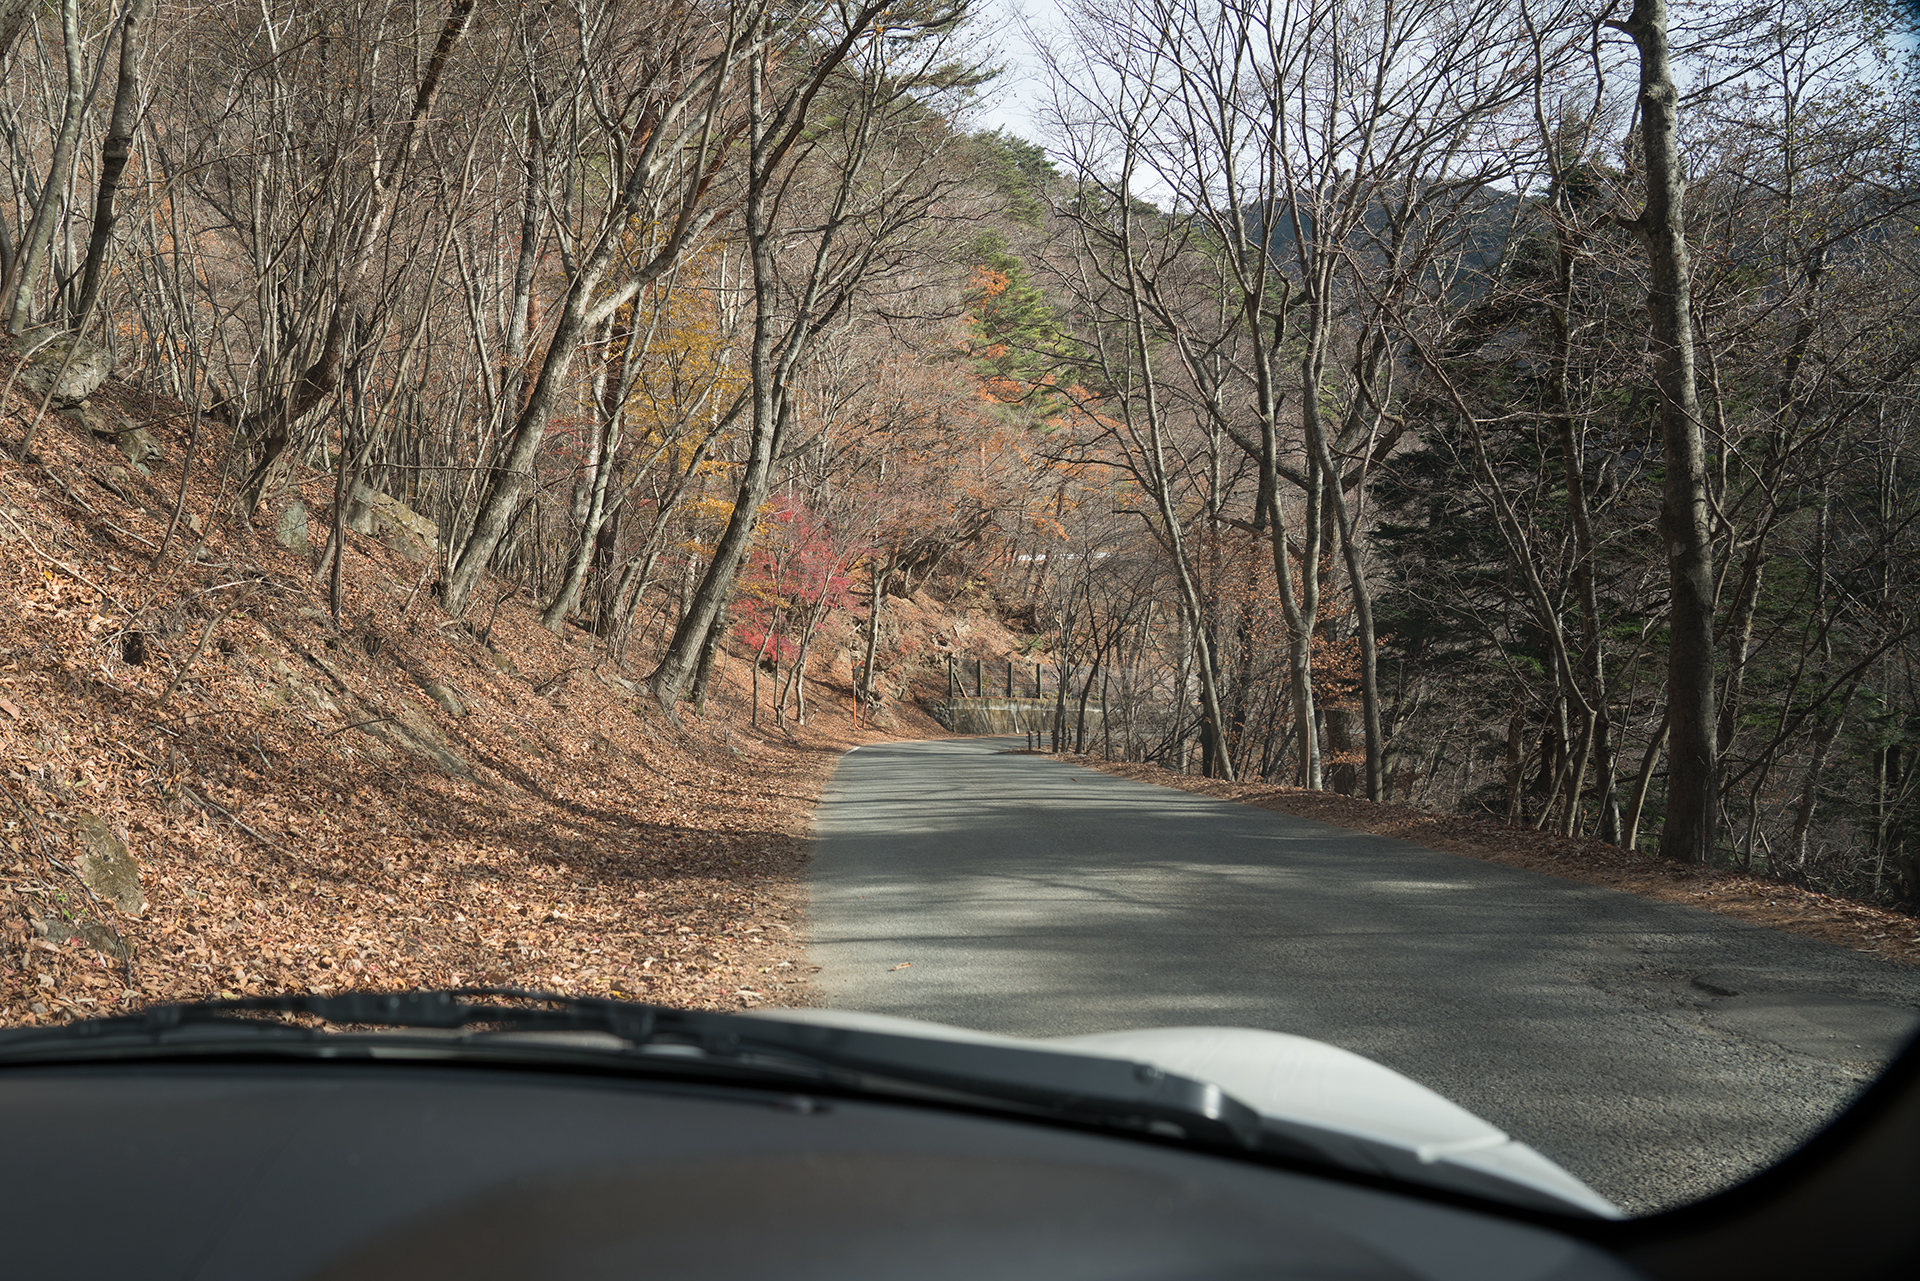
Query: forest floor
x,y
1889,935
387,798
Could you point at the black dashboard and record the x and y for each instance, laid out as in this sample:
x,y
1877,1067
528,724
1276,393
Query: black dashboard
x,y
257,1172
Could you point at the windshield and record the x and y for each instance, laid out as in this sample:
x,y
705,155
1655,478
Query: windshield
x,y
1386,525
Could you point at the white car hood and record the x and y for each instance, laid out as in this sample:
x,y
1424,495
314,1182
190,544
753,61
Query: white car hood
x,y
1399,1125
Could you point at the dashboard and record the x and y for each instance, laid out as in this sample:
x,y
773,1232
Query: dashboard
x,y
357,1170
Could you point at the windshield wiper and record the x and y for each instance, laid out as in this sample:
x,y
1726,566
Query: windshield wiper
x,y
1083,1089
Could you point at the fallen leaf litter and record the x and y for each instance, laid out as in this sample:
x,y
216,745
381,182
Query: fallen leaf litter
x,y
307,816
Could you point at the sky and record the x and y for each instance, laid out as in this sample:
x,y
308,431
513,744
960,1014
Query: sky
x,y
1018,95
1014,102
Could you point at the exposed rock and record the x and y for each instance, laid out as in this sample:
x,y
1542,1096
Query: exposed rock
x,y
362,518
140,448
92,418
292,533
99,936
410,730
447,697
393,522
47,349
129,437
107,867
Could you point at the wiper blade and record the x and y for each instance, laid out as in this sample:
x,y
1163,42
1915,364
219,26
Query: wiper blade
x,y
1105,1092
445,1009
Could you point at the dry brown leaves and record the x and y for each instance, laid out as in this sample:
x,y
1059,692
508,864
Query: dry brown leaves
x,y
308,819
1889,935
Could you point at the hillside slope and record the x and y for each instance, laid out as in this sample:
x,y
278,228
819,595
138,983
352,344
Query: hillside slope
x,y
210,788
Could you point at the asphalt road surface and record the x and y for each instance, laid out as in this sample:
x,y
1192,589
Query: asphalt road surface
x,y
1659,1052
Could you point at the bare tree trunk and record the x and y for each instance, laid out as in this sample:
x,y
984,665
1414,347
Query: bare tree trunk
x,y
16,290
1689,831
1515,775
1598,731
1302,617
878,572
610,414
1353,550
1803,812
768,411
703,672
1740,641
114,153
1642,784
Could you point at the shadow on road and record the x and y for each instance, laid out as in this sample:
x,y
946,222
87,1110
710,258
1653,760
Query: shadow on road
x,y
1037,898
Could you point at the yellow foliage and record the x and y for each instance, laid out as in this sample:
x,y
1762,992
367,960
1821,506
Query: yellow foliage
x,y
708,513
689,371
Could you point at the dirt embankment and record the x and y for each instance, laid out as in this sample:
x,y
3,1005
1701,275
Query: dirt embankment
x,y
396,800
1885,934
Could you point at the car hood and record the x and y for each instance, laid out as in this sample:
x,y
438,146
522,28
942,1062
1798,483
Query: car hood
x,y
1398,1126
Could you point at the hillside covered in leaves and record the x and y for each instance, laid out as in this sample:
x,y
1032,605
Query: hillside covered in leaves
x,y
211,787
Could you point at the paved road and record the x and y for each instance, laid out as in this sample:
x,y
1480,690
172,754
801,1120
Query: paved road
x,y
1657,1051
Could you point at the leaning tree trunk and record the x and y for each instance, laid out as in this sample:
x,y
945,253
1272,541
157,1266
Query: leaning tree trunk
x,y
670,678
17,290
1688,833
606,442
114,153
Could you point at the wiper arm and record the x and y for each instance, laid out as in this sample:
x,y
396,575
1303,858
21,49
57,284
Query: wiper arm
x,y
448,1009
1106,1092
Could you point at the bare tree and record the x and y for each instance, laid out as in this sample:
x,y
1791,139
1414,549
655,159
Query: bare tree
x,y
114,154
660,107
823,217
1318,157
24,265
1685,516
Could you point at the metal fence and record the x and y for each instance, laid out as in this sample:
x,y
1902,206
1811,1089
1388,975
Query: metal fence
x,y
1004,678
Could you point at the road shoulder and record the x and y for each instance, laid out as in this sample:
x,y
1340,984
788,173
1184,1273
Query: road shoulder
x,y
1889,935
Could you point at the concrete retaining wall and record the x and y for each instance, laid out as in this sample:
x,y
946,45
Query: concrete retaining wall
x,y
1005,715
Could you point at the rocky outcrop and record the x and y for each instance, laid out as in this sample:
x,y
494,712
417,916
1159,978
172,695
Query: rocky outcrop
x,y
291,532
448,697
393,523
65,364
100,937
106,866
129,437
139,446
